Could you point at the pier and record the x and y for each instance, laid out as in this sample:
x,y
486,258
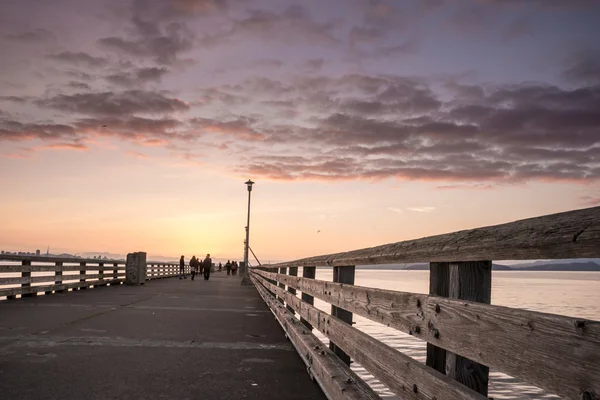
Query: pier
x,y
92,336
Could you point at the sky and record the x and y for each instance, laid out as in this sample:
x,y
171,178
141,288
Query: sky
x,y
132,125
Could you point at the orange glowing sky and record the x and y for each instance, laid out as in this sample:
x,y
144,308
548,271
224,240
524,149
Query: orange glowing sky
x,y
133,125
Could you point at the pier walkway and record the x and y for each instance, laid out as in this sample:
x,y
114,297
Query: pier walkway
x,y
167,339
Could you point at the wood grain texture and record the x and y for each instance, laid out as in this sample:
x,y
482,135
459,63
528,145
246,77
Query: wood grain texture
x,y
471,280
403,375
43,268
438,285
336,379
572,234
342,275
11,292
308,273
517,342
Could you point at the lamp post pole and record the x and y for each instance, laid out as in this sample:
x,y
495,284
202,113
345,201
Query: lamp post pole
x,y
246,279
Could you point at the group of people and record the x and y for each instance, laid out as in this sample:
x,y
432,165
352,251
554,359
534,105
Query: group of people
x,y
231,267
203,267
196,266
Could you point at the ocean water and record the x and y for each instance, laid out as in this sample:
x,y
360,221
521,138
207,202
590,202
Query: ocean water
x,y
574,294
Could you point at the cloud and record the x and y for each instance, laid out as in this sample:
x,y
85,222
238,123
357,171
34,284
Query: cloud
x,y
79,59
114,103
152,38
67,146
79,85
239,128
20,131
369,127
137,77
396,210
136,154
584,68
34,36
478,186
315,64
292,25
422,209
268,63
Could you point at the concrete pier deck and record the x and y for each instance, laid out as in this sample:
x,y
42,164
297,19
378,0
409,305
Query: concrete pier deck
x,y
168,339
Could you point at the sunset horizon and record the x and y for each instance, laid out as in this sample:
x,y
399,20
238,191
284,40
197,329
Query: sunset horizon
x,y
133,125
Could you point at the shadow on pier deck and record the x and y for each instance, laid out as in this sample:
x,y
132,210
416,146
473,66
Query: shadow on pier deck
x,y
168,339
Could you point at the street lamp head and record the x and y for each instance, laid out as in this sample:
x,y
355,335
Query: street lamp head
x,y
249,184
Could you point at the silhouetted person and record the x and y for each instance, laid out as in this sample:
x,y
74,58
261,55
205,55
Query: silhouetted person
x,y
206,264
220,267
228,267
182,268
194,266
234,268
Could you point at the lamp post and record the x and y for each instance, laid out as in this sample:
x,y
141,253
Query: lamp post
x,y
246,279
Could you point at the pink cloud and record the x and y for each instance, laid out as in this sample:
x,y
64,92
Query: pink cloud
x,y
67,146
136,154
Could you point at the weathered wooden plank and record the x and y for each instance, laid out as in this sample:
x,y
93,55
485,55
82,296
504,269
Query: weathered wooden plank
x,y
47,278
438,285
53,268
402,374
511,340
7,257
308,273
293,271
342,275
572,234
336,379
57,288
471,281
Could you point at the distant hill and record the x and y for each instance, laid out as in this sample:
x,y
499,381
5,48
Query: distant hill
x,y
579,266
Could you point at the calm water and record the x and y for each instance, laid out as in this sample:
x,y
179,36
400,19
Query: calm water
x,y
568,293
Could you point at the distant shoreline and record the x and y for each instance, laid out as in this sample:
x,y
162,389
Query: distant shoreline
x,y
568,267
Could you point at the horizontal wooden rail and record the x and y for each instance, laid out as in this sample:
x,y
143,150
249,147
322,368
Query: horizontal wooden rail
x,y
49,268
56,287
335,378
14,257
401,373
573,234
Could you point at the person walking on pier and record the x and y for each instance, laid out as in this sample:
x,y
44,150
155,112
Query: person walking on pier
x,y
228,267
194,266
182,268
234,268
207,264
220,267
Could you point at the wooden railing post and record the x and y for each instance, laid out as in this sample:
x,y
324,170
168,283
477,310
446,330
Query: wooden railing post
x,y
309,273
101,274
438,286
283,271
342,275
82,272
293,271
470,281
58,280
115,273
26,274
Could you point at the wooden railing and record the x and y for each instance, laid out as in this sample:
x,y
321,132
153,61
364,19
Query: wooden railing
x,y
58,275
465,335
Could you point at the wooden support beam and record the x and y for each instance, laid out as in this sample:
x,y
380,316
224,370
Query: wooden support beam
x,y
293,271
308,273
438,286
342,275
471,281
283,271
27,276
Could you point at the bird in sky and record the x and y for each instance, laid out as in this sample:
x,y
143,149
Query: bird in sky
x,y
318,231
